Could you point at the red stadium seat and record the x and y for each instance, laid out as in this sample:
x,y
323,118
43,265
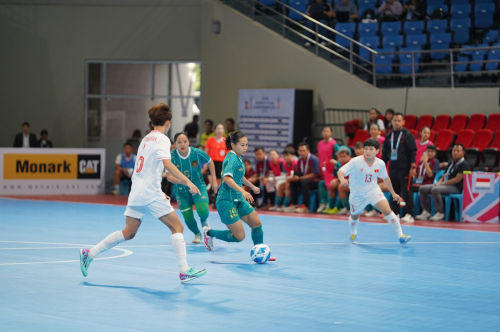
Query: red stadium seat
x,y
458,123
433,136
444,139
483,139
361,135
496,140
410,121
493,122
442,122
414,132
424,121
476,122
466,137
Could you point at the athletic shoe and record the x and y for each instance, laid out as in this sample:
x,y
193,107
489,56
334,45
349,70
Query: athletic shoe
x,y
354,238
408,218
302,209
291,208
342,211
371,213
321,208
423,216
331,211
84,261
208,241
274,208
115,192
279,209
404,239
437,217
272,259
197,238
191,274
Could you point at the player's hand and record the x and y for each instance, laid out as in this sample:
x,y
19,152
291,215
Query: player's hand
x,y
265,181
215,186
256,190
193,189
413,172
333,161
344,182
248,197
295,178
166,196
397,198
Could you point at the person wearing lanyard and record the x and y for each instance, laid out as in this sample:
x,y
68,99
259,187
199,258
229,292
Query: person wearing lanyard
x,y
399,151
427,168
305,178
450,183
262,168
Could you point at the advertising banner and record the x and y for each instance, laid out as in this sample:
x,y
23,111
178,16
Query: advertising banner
x,y
480,197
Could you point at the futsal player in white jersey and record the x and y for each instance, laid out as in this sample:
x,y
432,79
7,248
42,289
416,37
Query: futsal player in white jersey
x,y
153,156
363,172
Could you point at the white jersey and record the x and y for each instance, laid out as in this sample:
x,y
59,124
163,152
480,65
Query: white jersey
x,y
362,177
146,181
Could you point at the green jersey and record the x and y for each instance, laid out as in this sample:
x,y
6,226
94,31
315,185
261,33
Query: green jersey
x,y
234,167
190,166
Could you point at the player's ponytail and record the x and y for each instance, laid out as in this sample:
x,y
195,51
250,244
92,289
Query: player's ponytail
x,y
234,138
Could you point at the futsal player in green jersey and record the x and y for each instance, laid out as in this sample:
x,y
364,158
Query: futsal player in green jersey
x,y
189,161
233,201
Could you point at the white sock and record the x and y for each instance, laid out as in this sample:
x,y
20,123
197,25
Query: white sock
x,y
393,220
109,242
179,247
353,225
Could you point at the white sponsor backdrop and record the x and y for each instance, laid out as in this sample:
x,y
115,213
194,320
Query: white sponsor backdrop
x,y
53,186
266,117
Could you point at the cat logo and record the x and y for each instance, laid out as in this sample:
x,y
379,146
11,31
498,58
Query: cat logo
x,y
89,166
194,163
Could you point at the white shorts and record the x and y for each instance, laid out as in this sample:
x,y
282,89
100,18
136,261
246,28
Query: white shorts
x,y
158,208
358,204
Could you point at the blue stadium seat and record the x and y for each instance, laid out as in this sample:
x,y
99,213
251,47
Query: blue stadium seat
x,y
390,28
459,2
383,60
490,37
367,29
268,2
392,41
406,59
460,11
416,40
439,41
432,8
385,50
461,30
414,27
477,55
483,1
437,26
435,2
299,5
364,5
370,41
483,15
493,55
348,29
467,50
461,67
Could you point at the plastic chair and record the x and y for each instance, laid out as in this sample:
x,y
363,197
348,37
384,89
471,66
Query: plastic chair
x,y
437,26
370,41
456,199
419,40
392,41
442,122
466,137
413,27
416,196
410,121
347,29
493,122
476,122
461,30
439,41
490,37
483,15
124,187
424,121
390,28
458,123
367,29
461,10
493,55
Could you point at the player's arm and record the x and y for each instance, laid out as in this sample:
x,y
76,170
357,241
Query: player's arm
x,y
342,179
455,180
388,184
215,184
251,185
184,180
233,185
173,179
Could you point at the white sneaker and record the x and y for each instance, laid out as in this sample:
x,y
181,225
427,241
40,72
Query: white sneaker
x,y
274,208
342,211
437,217
280,209
291,208
115,192
371,213
208,241
408,218
423,216
197,238
321,208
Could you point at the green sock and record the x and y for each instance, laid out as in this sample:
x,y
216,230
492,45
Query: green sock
x,y
345,202
323,193
226,236
257,235
287,201
203,212
278,200
331,202
193,227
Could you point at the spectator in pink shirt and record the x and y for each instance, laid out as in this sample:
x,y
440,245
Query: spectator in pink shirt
x,y
423,142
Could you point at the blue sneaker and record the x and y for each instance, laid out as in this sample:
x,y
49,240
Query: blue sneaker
x,y
354,238
404,239
191,274
84,261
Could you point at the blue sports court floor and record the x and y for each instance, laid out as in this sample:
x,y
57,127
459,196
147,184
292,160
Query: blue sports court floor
x,y
443,280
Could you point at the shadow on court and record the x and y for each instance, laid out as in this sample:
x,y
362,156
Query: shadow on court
x,y
384,249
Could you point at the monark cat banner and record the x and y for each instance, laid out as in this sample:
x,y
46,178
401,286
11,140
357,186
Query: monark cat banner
x,y
51,171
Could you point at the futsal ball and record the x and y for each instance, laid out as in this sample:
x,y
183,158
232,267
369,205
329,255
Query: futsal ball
x,y
260,253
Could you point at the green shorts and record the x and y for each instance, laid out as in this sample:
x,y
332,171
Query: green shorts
x,y
185,200
230,212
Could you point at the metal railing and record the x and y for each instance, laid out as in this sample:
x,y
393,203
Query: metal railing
x,y
350,55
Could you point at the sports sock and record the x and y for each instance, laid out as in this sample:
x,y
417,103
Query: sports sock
x,y
179,247
331,202
109,242
278,200
287,201
353,225
225,236
393,220
344,202
193,226
257,235
203,211
322,192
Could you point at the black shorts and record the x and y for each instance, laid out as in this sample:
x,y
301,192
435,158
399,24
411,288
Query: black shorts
x,y
218,169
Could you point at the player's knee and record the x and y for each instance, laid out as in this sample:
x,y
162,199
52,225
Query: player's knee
x,y
129,235
239,237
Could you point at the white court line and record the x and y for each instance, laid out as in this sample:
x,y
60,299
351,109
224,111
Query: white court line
x,y
39,248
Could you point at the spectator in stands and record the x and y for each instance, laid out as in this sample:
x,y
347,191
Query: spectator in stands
x,y
136,134
321,11
358,149
414,10
25,139
390,10
389,114
43,142
423,142
345,11
274,175
427,168
230,126
262,168
450,183
216,149
124,166
283,195
400,150
375,134
292,148
191,129
343,157
209,132
251,176
327,148
373,115
305,178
